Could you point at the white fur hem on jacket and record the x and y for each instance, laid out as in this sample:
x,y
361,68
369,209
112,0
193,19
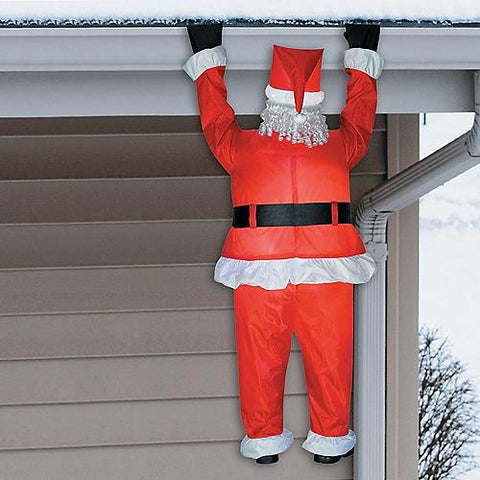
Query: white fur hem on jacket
x,y
276,274
331,446
205,59
258,447
365,60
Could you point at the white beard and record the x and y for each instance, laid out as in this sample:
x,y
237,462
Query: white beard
x,y
308,127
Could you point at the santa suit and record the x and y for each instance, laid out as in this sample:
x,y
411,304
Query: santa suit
x,y
291,277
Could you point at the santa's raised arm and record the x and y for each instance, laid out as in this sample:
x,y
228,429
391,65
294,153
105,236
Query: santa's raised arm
x,y
207,68
363,65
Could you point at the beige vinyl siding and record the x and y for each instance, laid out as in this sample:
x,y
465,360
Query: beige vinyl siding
x,y
117,348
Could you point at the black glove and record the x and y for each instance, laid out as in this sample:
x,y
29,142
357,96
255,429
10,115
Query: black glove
x,y
362,35
205,36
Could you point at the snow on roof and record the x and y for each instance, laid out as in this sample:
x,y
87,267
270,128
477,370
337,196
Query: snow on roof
x,y
460,11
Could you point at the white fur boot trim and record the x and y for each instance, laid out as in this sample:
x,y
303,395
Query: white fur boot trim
x,y
258,447
331,446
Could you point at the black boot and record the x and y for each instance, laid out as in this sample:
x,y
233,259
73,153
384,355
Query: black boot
x,y
267,459
331,459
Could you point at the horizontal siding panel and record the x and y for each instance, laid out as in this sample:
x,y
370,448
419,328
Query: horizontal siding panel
x,y
213,461
129,124
50,201
99,125
129,378
135,422
128,156
111,289
106,156
129,333
119,333
122,200
113,124
111,244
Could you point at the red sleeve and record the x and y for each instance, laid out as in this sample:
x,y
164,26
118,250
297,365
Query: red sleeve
x,y
358,116
216,115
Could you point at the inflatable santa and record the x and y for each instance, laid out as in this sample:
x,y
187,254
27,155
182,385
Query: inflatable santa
x,y
292,253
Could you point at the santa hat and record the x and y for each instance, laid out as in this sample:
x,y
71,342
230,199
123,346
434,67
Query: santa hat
x,y
297,70
294,96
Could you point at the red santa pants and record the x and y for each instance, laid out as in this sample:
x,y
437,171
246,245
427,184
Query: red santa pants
x,y
321,316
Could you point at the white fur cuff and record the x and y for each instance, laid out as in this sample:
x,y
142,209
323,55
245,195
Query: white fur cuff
x,y
330,446
205,59
258,447
365,60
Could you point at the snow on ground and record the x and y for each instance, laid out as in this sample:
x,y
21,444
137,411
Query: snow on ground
x,y
459,11
450,252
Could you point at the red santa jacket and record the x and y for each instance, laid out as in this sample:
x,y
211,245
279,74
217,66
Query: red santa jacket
x,y
264,170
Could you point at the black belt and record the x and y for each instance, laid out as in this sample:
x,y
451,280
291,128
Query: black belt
x,y
291,214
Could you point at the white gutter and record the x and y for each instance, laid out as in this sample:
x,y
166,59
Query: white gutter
x,y
249,48
62,72
371,221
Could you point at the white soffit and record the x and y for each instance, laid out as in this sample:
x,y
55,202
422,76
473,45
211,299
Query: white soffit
x,y
137,70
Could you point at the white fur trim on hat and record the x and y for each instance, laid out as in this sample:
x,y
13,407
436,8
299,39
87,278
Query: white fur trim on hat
x,y
365,60
258,447
331,446
205,59
287,96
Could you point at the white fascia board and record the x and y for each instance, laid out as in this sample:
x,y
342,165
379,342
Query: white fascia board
x,y
249,48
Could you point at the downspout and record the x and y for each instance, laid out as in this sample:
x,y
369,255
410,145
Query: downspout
x,y
371,218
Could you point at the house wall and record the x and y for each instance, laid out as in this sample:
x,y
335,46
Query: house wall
x,y
117,347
